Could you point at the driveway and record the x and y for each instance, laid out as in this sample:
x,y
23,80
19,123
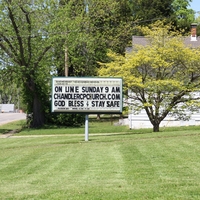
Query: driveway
x,y
9,117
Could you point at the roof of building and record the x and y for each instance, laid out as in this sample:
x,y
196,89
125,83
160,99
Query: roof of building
x,y
193,44
141,40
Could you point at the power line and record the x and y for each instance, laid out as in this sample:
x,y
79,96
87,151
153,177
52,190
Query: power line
x,y
49,33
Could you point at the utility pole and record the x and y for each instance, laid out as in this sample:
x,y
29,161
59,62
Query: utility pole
x,y
66,62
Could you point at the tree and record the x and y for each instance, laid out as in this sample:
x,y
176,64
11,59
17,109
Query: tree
x,y
35,36
9,91
183,16
88,29
147,11
163,76
25,45
197,20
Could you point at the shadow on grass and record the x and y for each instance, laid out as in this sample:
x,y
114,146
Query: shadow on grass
x,y
15,126
5,131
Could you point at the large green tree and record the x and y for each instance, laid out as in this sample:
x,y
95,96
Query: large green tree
x,y
163,76
183,16
41,37
25,45
87,29
38,37
197,20
147,11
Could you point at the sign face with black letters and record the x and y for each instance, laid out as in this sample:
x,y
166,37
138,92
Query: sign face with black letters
x,y
87,95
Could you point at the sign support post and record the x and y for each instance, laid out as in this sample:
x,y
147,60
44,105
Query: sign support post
x,y
86,128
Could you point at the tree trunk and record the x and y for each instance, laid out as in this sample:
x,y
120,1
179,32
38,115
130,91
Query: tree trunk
x,y
38,114
156,127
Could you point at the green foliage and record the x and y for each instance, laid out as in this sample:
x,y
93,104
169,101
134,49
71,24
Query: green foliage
x,y
25,46
36,38
197,20
67,120
177,12
39,39
163,76
150,10
84,35
183,16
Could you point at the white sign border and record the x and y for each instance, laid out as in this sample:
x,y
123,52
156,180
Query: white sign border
x,y
90,79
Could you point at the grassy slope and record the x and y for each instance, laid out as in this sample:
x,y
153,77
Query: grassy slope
x,y
125,166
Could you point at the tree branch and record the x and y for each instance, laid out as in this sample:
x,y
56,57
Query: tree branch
x,y
20,42
29,30
42,55
14,52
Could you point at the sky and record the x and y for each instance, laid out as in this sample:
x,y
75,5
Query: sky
x,y
195,5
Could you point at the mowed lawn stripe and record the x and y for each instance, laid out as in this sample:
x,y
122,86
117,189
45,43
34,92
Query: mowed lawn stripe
x,y
172,167
107,167
42,168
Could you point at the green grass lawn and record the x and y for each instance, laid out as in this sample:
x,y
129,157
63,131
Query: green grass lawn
x,y
132,164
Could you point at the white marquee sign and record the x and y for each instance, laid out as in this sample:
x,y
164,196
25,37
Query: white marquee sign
x,y
87,95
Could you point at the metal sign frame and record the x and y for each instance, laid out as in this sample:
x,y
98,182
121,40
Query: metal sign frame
x,y
87,95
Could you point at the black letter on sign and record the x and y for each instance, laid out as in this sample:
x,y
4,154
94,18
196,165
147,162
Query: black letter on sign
x,y
58,89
